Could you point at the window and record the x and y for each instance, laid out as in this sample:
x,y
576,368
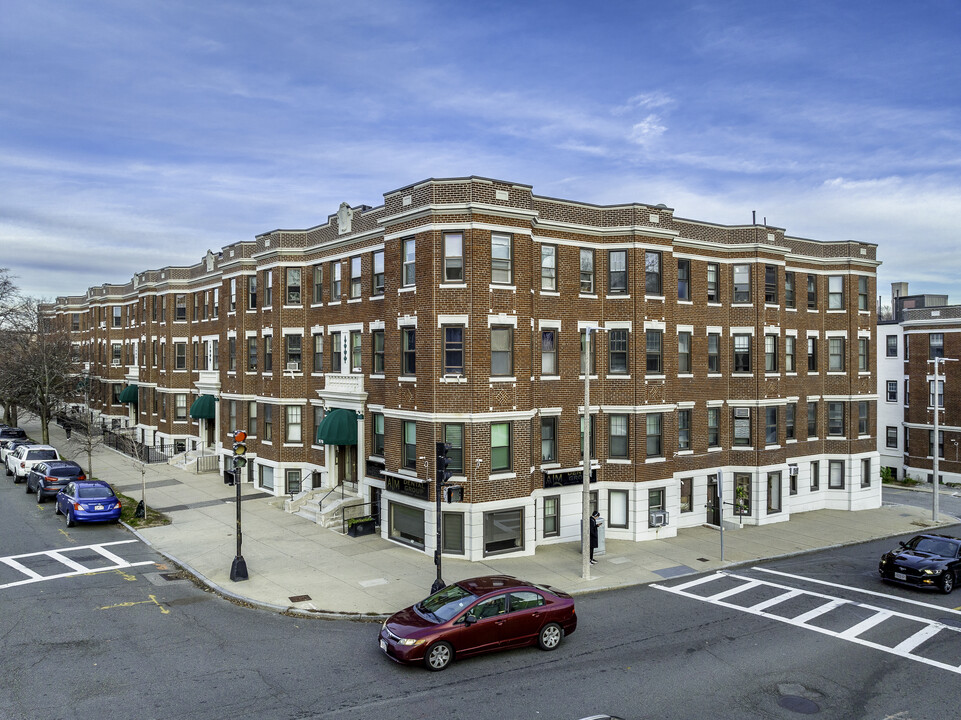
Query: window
x,y
180,356
251,294
268,288
552,516
232,354
378,274
907,437
815,475
770,426
654,364
790,354
406,524
714,427
454,257
835,419
742,494
408,351
549,352
683,279
683,429
891,346
268,353
835,292
835,354
117,318
812,354
454,436
377,345
548,267
408,268
862,418
617,442
907,385
742,283
617,272
216,310
356,352
617,503
336,268
502,258
770,353
652,273
773,492
232,414
862,293
891,437
655,500
770,283
452,533
454,350
835,474
268,423
335,349
318,419
548,439
892,392
812,419
812,292
935,345
687,494
317,354
502,351
587,271
377,433
180,302
940,393
742,353
790,411
866,472
293,286
742,427
503,531
713,353
863,349
593,438
713,276
684,352
293,350
500,446
654,446
251,354
907,346
180,406
790,299
293,424
355,277
252,418
409,450
617,352
317,293
940,444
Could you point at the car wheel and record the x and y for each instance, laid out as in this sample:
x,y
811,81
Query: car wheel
x,y
438,656
8,471
56,509
947,582
40,497
70,521
550,636
27,486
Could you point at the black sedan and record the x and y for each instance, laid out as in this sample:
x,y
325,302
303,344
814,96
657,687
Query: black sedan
x,y
924,561
49,477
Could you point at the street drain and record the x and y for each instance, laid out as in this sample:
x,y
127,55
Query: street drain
x,y
797,704
703,560
299,598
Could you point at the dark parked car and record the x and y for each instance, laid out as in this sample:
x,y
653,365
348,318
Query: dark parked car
x,y
9,446
924,561
49,477
88,501
476,616
12,433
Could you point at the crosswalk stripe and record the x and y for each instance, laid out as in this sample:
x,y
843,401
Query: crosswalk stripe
x,y
76,568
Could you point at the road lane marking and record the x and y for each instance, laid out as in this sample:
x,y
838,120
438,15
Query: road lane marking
x,y
153,599
76,568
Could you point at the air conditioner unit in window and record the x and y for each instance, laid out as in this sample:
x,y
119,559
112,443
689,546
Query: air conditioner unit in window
x,y
293,366
658,518
115,363
742,412
792,470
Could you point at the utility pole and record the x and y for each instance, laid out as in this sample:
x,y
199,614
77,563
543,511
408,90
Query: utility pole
x,y
586,452
937,411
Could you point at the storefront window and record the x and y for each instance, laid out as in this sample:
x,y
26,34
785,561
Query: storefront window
x,y
406,524
503,531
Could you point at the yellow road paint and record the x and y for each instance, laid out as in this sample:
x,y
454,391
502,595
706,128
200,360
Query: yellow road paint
x,y
153,599
126,576
66,535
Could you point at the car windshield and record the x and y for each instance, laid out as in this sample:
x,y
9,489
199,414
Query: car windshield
x,y
94,493
63,472
42,455
935,546
446,603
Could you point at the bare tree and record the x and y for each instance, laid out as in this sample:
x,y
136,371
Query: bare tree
x,y
85,433
12,312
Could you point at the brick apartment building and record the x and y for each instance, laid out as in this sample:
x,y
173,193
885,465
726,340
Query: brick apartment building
x,y
458,310
921,328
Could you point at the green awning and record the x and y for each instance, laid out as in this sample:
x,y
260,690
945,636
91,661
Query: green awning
x,y
339,427
128,394
204,408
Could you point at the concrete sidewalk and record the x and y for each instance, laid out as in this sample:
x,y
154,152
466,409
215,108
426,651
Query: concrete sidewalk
x,y
297,565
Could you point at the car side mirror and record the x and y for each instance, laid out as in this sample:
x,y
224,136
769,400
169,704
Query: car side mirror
x,y
469,620
902,543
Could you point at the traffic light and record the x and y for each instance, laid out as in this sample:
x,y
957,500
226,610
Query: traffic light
x,y
239,459
454,493
443,475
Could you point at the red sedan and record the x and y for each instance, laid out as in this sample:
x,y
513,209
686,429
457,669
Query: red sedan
x,y
475,616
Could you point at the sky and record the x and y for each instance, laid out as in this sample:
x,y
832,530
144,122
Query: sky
x,y
137,135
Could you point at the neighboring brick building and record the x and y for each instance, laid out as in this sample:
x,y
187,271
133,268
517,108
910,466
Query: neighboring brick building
x,y
457,311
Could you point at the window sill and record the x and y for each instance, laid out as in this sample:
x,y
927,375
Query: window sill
x,y
407,289
587,296
264,308
651,461
452,286
454,379
742,305
745,448
352,301
502,476
618,296
406,378
618,376
715,449
771,374
510,379
372,377
316,305
334,302
654,377
619,461
684,302
836,311
680,453
293,445
685,375
654,297
376,297
495,286
714,304
714,375
772,447
791,309
549,293
790,441
742,374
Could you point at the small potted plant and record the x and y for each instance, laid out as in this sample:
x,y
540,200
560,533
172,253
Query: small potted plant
x,y
360,526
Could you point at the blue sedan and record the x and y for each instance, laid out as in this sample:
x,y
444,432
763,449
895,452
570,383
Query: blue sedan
x,y
88,501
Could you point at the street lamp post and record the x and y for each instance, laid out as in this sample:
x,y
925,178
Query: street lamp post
x,y
586,455
937,411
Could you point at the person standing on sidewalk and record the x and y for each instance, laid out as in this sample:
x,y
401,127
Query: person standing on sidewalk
x,y
595,516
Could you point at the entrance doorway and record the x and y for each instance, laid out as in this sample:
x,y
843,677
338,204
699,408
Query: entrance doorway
x,y
345,466
713,502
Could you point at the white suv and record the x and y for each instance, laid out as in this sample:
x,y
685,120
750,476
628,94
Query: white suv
x,y
25,457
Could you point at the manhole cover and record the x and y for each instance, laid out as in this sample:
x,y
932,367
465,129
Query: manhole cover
x,y
798,704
